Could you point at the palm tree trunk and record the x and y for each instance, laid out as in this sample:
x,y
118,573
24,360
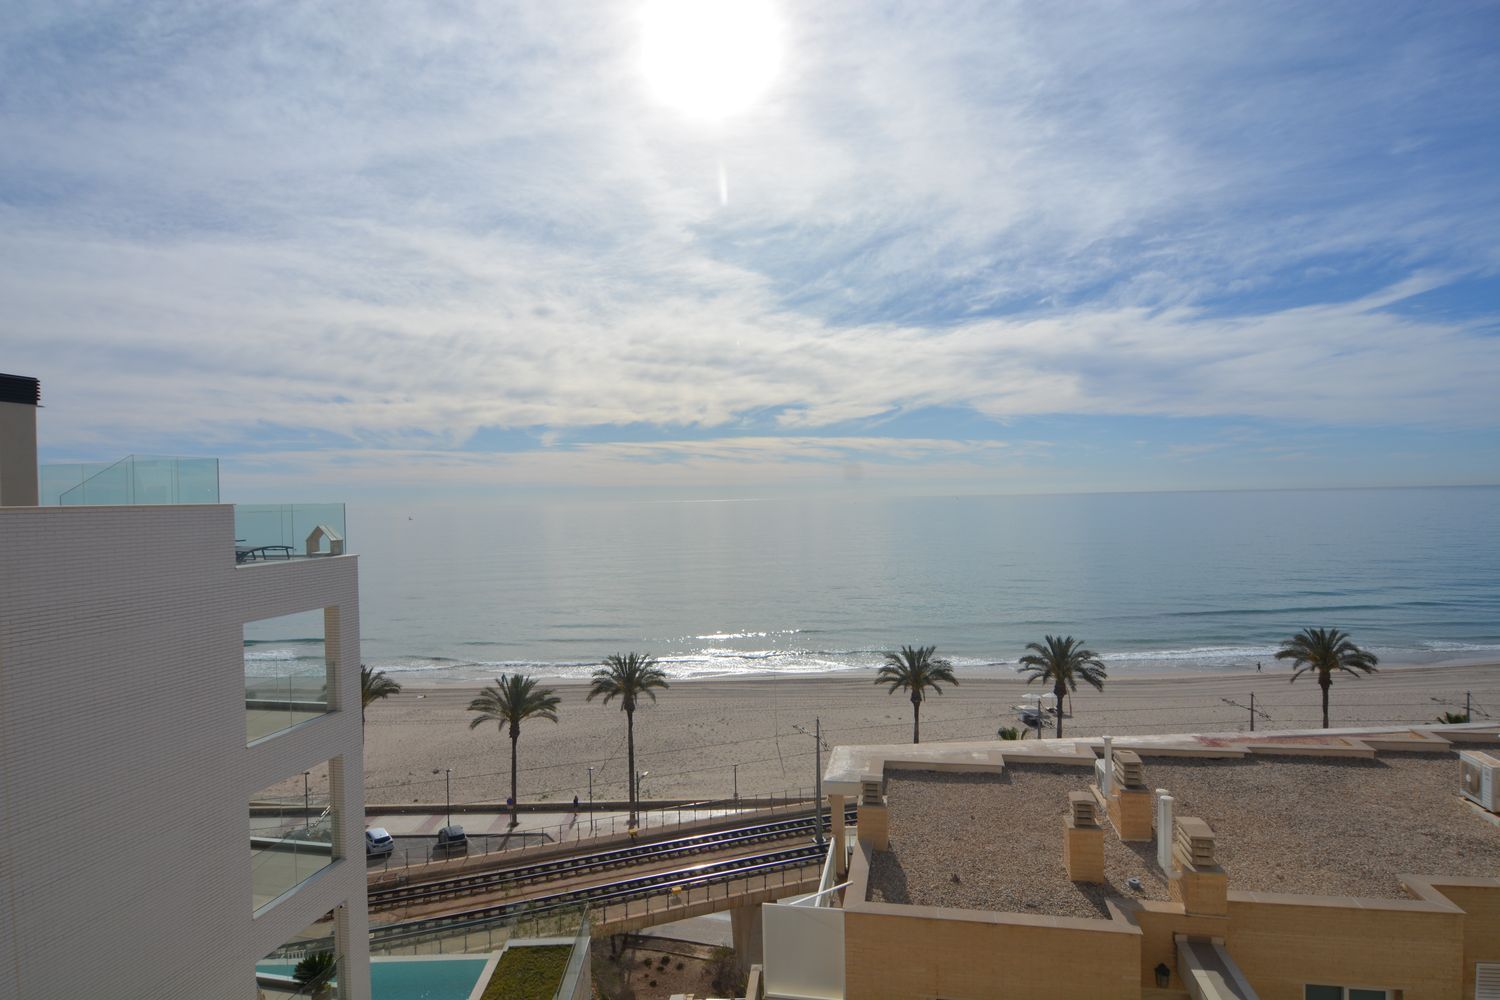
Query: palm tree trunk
x,y
1325,682
630,757
916,719
1057,697
515,798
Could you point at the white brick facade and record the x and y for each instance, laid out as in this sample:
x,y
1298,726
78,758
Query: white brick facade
x,y
124,772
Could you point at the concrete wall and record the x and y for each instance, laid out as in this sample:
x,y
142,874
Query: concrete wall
x,y
124,774
18,472
1282,942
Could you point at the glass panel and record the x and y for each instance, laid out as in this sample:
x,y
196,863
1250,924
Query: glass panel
x,y
298,969
1311,992
1368,995
286,673
291,834
284,531
135,479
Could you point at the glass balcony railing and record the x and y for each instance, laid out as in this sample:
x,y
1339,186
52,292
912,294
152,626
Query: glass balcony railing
x,y
291,837
285,531
134,479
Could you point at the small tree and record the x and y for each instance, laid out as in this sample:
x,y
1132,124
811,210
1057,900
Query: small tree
x,y
1325,650
1008,733
374,686
1063,661
1452,719
315,973
513,699
916,671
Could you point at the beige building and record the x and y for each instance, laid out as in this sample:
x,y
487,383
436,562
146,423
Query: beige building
x,y
138,761
1331,865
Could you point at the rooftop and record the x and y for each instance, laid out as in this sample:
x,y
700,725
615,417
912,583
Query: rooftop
x,y
1313,825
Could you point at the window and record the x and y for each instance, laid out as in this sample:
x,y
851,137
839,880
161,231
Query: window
x,y
292,834
286,673
1311,992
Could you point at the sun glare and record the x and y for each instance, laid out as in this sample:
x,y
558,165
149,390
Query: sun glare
x,y
710,59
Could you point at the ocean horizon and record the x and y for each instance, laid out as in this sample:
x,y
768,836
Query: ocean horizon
x,y
1154,582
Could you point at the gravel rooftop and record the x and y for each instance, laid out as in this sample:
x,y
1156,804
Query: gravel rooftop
x,y
1307,825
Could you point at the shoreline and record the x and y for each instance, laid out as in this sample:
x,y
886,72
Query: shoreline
x,y
987,671
703,735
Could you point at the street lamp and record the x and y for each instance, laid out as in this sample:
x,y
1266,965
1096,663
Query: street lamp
x,y
448,792
306,808
591,799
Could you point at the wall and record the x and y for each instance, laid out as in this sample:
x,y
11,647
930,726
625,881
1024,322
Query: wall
x,y
918,952
1480,901
1281,942
124,774
18,472
804,951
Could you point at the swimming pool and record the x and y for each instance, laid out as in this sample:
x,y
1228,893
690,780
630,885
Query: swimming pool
x,y
435,978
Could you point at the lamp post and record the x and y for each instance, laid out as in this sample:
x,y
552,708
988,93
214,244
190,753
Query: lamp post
x,y
736,783
448,792
306,807
591,799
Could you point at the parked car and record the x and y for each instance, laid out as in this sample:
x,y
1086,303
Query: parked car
x,y
378,843
452,840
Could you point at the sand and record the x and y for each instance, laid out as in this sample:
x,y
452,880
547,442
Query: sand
x,y
690,740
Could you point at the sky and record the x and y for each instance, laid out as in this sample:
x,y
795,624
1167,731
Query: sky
x,y
656,249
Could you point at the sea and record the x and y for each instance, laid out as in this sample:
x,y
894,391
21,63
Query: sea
x,y
1153,582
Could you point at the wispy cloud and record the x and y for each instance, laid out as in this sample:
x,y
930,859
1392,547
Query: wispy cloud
x,y
263,228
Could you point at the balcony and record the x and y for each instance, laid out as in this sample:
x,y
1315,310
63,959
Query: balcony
x,y
272,532
134,479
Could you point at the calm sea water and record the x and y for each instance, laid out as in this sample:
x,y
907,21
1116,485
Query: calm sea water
x,y
1152,581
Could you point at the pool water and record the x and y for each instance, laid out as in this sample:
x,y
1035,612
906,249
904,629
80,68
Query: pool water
x,y
408,979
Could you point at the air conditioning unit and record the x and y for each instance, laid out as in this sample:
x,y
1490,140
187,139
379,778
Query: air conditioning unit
x,y
1479,778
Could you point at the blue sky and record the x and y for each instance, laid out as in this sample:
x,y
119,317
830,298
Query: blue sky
x,y
397,250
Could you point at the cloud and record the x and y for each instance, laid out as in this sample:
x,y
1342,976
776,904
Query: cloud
x,y
385,231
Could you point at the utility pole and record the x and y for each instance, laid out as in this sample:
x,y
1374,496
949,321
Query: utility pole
x,y
591,799
817,735
818,764
448,792
736,783
1252,711
306,808
1468,707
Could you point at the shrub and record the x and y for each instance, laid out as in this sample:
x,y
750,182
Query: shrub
x,y
529,973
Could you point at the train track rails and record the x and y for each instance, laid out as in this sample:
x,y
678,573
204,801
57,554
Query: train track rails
x,y
578,865
708,873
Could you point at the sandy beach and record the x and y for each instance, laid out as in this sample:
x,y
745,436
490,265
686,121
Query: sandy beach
x,y
691,739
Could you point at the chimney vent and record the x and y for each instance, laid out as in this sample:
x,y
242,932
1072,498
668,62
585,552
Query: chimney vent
x,y
1194,842
869,792
1129,771
1081,805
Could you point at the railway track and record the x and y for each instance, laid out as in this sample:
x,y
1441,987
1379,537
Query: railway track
x,y
620,890
599,861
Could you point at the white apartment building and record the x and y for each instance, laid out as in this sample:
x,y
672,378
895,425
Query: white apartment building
x,y
133,750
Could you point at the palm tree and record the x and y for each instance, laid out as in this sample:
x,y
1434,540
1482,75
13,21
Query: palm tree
x,y
1063,661
512,699
373,686
627,676
915,670
1325,650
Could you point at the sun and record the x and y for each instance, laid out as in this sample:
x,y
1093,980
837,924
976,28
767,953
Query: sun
x,y
710,59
